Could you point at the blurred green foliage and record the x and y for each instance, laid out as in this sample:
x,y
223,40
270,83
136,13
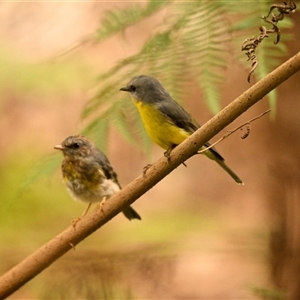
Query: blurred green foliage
x,y
268,294
44,77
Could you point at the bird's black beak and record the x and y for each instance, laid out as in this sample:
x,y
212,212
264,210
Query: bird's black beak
x,y
59,147
124,89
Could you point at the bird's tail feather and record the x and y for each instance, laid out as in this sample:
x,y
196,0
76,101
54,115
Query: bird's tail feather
x,y
131,214
214,155
222,164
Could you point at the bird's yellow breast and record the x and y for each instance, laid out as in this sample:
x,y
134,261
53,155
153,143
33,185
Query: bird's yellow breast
x,y
159,128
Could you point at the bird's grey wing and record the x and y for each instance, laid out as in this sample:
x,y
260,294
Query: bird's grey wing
x,y
177,115
181,118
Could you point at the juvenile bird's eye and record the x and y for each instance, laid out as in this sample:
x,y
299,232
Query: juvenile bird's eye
x,y
75,145
132,88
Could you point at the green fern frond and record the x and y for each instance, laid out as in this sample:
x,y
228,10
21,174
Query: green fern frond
x,y
191,46
99,100
98,130
118,20
123,121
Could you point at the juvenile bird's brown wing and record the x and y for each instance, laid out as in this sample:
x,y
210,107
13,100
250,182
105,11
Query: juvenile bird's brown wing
x,y
109,172
105,165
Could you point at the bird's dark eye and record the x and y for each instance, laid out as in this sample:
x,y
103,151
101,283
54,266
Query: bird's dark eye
x,y
132,88
75,145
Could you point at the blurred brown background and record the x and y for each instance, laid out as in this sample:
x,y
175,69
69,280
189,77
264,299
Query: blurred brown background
x,y
202,236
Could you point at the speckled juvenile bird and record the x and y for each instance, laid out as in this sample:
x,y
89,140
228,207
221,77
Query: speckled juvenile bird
x,y
88,174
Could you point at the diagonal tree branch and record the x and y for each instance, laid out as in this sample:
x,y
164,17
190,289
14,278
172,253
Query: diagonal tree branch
x,y
51,251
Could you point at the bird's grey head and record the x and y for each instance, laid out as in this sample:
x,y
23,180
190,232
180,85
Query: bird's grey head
x,y
146,89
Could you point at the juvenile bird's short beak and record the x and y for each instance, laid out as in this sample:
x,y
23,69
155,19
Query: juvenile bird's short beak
x,y
124,89
59,147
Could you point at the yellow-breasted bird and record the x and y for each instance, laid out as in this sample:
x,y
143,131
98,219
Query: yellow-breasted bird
x,y
88,174
165,121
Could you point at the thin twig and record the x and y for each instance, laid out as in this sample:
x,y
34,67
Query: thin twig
x,y
229,132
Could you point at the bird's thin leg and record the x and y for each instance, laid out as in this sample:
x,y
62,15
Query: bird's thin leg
x,y
74,222
100,205
167,154
86,210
